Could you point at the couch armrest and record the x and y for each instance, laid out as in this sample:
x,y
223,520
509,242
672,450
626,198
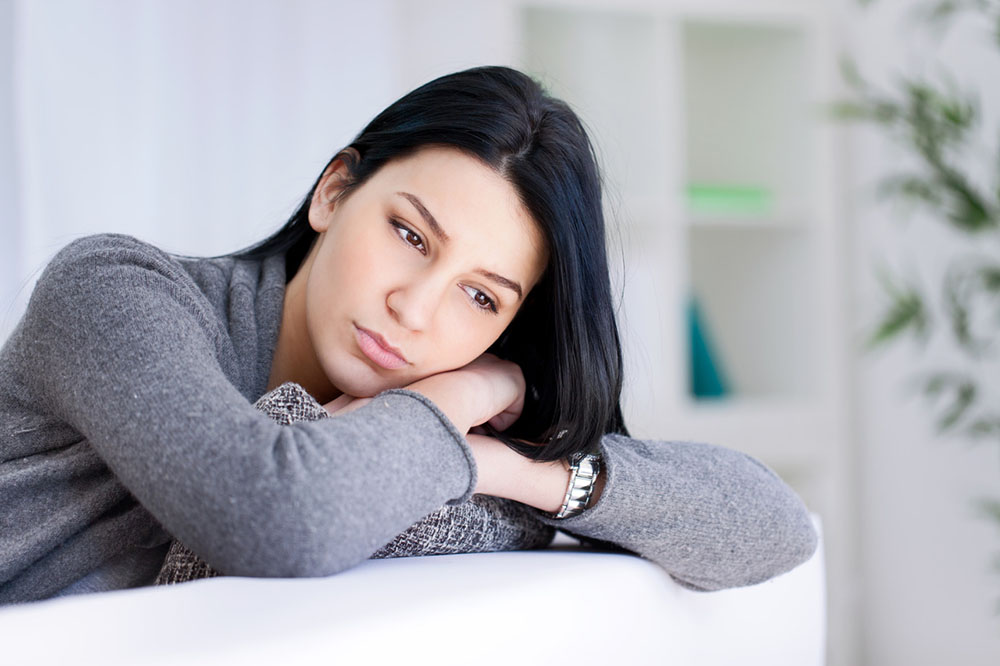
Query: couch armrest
x,y
486,608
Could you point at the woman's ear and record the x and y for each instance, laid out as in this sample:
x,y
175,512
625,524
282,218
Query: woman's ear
x,y
335,177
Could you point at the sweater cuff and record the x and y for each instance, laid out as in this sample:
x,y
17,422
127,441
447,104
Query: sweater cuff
x,y
595,514
455,435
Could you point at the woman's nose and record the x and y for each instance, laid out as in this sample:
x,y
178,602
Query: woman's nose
x,y
415,303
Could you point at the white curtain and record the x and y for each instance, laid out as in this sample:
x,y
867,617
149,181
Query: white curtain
x,y
197,126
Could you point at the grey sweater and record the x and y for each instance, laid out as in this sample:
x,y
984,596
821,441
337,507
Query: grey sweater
x,y
126,419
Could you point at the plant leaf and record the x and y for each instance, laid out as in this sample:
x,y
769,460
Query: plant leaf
x,y
989,277
965,396
941,11
969,285
989,507
968,210
984,427
908,186
905,311
935,125
956,304
850,72
940,14
938,381
959,114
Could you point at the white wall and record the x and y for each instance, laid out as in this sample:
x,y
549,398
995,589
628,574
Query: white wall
x,y
9,229
928,594
198,126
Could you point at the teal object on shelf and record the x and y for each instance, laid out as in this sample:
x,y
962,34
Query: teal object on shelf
x,y
707,379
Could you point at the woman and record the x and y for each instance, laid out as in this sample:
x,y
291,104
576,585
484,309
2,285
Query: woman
x,y
444,290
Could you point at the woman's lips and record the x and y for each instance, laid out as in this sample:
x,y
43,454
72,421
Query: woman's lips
x,y
374,347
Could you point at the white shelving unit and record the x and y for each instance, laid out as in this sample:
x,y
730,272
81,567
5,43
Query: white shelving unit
x,y
722,187
676,102
706,118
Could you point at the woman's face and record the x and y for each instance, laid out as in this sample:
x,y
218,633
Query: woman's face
x,y
418,271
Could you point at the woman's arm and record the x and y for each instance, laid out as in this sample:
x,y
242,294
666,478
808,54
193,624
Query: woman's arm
x,y
712,517
120,344
489,389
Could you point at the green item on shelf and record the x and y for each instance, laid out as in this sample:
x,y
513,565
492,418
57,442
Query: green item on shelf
x,y
707,380
729,199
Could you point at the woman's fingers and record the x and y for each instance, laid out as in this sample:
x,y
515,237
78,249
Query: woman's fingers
x,y
486,390
505,383
511,413
503,420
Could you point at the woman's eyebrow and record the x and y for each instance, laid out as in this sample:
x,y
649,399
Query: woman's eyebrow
x,y
426,214
443,237
501,280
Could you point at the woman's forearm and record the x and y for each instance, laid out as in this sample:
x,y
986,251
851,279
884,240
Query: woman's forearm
x,y
504,472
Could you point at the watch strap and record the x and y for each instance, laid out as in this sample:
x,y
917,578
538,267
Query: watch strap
x,y
584,469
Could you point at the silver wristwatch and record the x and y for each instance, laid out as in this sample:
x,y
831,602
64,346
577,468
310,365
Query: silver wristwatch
x,y
584,469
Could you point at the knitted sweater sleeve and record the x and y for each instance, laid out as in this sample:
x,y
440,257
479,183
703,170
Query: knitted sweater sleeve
x,y
125,351
712,517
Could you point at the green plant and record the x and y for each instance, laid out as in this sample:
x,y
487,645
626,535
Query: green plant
x,y
940,127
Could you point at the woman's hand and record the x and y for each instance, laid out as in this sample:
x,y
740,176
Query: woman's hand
x,y
504,381
487,390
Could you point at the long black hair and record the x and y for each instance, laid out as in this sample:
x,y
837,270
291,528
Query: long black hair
x,y
564,337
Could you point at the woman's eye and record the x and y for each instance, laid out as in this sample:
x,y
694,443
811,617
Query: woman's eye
x,y
409,237
481,300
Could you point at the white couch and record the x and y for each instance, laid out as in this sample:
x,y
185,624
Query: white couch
x,y
555,606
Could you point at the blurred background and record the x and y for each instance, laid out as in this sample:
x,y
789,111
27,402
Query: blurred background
x,y
749,222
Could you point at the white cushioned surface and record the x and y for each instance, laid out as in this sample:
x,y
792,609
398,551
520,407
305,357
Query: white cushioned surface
x,y
484,608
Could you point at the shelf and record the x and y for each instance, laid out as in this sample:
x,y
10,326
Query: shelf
x,y
783,433
746,110
762,408
764,223
702,128
793,437
756,288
